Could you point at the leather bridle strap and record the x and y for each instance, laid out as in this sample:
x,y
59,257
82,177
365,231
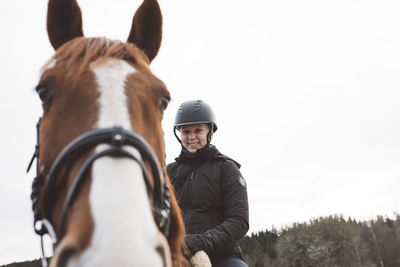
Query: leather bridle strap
x,y
115,136
81,178
117,139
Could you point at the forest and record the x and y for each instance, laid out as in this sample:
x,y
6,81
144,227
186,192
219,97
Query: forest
x,y
331,241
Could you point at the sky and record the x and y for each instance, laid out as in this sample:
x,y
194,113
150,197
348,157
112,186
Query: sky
x,y
306,95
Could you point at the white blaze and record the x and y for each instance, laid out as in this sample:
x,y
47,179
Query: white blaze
x,y
124,230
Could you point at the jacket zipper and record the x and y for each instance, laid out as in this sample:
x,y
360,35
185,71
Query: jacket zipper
x,y
190,196
193,171
191,184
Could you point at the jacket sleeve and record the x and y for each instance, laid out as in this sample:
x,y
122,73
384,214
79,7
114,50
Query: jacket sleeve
x,y
236,215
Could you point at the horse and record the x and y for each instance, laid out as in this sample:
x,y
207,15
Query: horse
x,y
101,191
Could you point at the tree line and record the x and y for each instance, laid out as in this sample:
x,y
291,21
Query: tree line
x,y
331,241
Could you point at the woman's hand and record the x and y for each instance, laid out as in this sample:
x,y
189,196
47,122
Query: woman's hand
x,y
200,259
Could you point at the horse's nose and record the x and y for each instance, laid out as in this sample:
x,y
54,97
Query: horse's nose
x,y
68,254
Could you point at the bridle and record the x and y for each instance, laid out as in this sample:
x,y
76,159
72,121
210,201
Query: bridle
x,y
118,139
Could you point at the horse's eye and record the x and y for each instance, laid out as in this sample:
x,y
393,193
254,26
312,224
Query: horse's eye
x,y
164,102
45,94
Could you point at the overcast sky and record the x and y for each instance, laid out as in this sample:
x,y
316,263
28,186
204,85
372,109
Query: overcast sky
x,y
306,95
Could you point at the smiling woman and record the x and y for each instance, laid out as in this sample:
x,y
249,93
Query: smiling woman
x,y
210,189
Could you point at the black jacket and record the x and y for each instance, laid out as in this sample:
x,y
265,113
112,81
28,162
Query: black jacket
x,y
212,195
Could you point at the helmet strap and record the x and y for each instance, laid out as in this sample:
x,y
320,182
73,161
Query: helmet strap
x,y
179,140
209,133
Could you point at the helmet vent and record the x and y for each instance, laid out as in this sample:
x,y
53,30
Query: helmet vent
x,y
197,106
181,108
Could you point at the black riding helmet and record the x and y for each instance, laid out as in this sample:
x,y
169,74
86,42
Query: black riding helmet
x,y
195,112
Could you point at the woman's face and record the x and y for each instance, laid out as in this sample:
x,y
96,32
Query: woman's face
x,y
194,136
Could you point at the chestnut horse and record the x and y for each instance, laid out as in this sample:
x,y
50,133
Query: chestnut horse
x,y
101,190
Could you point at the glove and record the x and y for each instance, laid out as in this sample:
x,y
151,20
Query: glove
x,y
200,259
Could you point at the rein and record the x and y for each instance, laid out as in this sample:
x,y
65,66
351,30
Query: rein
x,y
45,188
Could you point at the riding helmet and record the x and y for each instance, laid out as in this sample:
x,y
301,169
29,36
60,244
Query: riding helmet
x,y
195,112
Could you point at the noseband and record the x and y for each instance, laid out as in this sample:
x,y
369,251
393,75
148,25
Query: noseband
x,y
118,139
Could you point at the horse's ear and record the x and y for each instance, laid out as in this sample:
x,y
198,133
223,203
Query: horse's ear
x,y
146,31
64,21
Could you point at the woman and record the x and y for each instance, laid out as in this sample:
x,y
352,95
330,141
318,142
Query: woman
x,y
210,189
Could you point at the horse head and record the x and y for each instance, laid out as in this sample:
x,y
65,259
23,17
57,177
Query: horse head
x,y
101,191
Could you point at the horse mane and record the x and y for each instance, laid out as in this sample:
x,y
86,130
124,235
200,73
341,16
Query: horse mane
x,y
77,54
